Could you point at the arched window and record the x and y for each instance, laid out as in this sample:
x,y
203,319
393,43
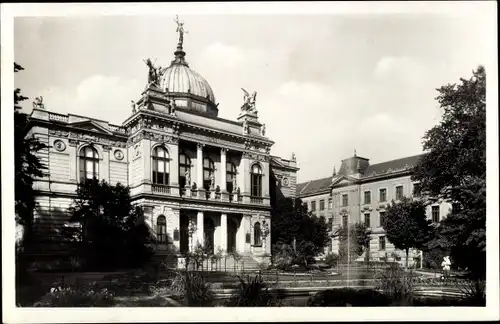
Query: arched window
x,y
257,234
208,170
256,181
161,229
184,164
161,166
89,163
230,176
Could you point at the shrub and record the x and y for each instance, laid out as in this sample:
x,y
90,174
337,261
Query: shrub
x,y
474,291
282,256
76,297
332,259
252,292
348,297
196,291
396,283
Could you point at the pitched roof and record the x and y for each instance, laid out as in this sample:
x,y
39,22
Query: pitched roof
x,y
383,168
392,166
313,186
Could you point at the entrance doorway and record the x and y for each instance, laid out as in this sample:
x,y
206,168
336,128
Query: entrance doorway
x,y
209,229
184,233
232,229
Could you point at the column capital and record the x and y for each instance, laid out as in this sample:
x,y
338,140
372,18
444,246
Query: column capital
x,y
200,145
223,150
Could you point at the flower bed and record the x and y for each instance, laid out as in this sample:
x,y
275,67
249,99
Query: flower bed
x,y
76,297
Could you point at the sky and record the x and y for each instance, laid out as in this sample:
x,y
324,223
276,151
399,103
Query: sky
x,y
327,84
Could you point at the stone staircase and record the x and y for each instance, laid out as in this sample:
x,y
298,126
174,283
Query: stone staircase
x,y
226,264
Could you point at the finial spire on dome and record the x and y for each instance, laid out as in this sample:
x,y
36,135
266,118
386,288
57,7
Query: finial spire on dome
x,y
179,54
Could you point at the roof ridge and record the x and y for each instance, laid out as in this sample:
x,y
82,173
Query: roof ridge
x,y
406,157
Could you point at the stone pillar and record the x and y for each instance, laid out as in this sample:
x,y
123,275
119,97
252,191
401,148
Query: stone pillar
x,y
199,166
74,174
223,152
247,228
174,168
200,232
175,228
244,178
104,163
223,232
146,160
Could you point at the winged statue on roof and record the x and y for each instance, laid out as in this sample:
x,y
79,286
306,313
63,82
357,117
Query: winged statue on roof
x,y
248,101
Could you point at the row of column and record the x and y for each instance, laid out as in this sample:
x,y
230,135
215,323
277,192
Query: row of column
x,y
199,166
200,230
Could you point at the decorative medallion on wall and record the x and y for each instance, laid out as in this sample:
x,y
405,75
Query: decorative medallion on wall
x,y
119,155
59,145
285,182
137,151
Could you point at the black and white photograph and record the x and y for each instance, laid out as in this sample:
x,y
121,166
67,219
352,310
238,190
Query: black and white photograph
x,y
254,161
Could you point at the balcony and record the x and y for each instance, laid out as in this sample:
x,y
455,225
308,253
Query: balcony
x,y
256,200
160,189
201,194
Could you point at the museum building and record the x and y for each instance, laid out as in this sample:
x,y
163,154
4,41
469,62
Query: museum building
x,y
200,178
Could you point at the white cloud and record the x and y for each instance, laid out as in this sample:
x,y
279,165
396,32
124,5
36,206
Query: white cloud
x,y
403,67
102,97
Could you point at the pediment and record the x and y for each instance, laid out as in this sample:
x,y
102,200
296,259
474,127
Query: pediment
x,y
90,125
343,180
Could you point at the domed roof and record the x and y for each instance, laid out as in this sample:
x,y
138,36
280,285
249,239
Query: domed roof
x,y
186,87
182,79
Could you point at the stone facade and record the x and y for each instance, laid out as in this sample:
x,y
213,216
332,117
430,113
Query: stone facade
x,y
225,194
360,192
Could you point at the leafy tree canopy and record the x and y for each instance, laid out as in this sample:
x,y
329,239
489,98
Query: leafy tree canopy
x,y
291,222
455,169
406,225
27,165
359,240
108,232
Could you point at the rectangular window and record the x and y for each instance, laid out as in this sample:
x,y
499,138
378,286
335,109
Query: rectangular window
x,y
330,223
435,214
368,197
322,204
383,195
345,200
455,208
381,243
344,221
367,220
381,220
416,190
330,203
399,192
313,206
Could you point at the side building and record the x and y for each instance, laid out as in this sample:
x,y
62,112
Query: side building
x,y
361,192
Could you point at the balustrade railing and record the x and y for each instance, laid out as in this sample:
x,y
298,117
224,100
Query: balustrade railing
x,y
160,189
256,200
58,117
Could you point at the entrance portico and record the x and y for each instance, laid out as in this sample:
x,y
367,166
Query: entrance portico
x,y
216,231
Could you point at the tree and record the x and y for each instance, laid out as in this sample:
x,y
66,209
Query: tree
x,y
406,225
291,222
27,165
107,231
454,169
359,240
